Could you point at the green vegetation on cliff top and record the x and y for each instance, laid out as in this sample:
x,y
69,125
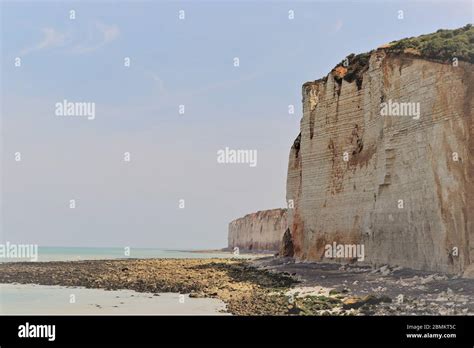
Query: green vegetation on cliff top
x,y
443,45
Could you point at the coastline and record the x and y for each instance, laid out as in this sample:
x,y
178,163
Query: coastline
x,y
263,286
243,253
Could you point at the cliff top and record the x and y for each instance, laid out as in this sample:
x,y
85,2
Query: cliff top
x,y
262,213
442,46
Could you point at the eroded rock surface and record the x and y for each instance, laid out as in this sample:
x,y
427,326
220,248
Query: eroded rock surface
x,y
401,186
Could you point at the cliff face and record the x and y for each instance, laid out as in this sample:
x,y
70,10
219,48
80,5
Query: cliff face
x,y
403,187
261,231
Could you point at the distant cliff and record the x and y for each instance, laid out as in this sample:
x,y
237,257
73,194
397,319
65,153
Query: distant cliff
x,y
260,231
385,158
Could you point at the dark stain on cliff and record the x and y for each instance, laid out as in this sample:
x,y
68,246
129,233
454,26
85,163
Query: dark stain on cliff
x,y
356,66
287,249
361,157
296,145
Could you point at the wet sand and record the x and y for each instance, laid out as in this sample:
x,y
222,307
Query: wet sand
x,y
31,299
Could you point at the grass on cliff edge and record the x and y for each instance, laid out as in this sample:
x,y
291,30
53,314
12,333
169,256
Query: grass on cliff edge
x,y
443,45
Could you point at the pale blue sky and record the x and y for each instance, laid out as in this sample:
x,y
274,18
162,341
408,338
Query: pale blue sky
x,y
173,62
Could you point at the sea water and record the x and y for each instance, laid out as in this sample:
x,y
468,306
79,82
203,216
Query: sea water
x,y
89,253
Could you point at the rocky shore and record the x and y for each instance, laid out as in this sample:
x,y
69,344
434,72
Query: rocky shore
x,y
384,290
265,286
244,289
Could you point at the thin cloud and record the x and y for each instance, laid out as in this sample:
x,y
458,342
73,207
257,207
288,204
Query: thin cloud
x,y
51,38
100,36
106,34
